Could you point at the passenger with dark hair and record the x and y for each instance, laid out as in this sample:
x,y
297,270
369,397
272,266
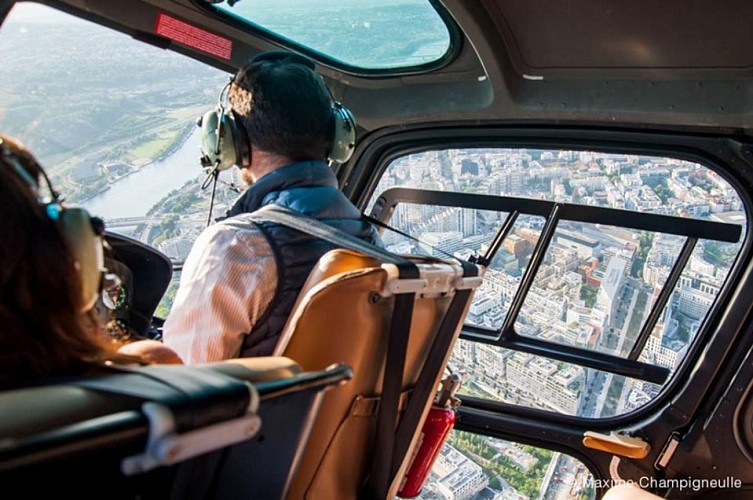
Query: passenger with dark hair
x,y
285,109
47,288
241,279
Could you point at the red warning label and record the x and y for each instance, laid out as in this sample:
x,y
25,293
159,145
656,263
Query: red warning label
x,y
191,36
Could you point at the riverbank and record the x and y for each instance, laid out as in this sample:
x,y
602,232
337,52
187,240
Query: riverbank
x,y
188,129
134,194
175,146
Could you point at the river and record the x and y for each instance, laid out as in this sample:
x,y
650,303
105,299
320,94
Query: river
x,y
135,194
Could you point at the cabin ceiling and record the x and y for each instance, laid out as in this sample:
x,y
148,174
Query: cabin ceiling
x,y
675,64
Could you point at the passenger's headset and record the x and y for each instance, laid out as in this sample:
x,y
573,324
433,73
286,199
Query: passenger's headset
x,y
225,143
81,232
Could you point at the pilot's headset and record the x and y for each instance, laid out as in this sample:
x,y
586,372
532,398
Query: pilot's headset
x,y
224,142
81,232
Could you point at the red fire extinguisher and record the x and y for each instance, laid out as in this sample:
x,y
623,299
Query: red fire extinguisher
x,y
439,422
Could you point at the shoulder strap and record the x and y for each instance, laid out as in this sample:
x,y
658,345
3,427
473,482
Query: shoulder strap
x,y
317,228
378,223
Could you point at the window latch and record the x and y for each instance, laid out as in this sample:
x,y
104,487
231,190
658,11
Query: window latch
x,y
670,447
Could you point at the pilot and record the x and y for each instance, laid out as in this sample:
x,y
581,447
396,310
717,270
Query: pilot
x,y
49,277
241,279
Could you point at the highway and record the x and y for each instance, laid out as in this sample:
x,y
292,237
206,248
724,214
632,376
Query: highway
x,y
602,381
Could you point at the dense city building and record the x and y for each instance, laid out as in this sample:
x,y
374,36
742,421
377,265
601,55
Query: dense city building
x,y
594,288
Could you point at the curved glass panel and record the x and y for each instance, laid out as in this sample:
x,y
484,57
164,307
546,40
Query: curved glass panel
x,y
597,283
379,34
114,127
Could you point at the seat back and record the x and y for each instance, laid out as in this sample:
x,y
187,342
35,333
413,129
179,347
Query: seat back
x,y
163,432
343,315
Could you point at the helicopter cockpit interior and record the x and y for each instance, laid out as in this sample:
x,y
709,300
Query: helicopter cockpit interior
x,y
573,181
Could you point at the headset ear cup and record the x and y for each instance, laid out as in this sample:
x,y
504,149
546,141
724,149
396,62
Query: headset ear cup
x,y
218,144
86,248
241,149
208,125
344,138
79,232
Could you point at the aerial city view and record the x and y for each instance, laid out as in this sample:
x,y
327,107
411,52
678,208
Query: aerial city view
x,y
122,142
594,290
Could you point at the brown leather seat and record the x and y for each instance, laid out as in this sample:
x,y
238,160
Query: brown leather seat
x,y
343,315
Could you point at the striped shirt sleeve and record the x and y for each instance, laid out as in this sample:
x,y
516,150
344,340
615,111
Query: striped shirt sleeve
x,y
228,281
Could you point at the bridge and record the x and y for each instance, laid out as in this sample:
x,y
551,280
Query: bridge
x,y
133,221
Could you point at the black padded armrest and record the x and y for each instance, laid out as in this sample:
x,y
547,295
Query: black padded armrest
x,y
110,431
43,423
196,396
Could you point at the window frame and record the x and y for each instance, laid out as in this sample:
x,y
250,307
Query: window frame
x,y
723,155
553,213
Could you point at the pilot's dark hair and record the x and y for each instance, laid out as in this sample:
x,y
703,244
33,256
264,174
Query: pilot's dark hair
x,y
43,332
284,105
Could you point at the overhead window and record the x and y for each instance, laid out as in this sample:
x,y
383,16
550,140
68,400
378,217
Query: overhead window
x,y
374,35
601,267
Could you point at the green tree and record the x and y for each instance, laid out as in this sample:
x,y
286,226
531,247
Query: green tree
x,y
662,191
168,226
647,238
588,294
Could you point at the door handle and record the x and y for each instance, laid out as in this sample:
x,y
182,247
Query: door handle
x,y
617,444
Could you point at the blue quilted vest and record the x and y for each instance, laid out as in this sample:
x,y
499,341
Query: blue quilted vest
x,y
311,189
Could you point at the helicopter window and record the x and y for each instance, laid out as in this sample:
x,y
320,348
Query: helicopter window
x,y
443,231
475,466
599,282
113,126
382,35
